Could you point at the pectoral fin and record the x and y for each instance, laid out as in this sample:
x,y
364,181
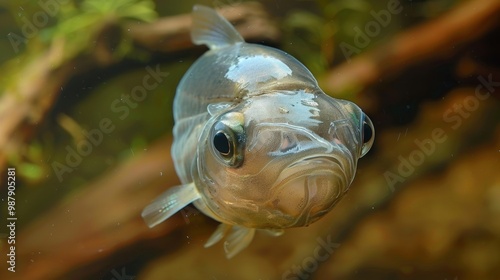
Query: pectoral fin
x,y
169,203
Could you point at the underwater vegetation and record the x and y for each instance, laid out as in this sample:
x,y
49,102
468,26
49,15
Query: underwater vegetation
x,y
86,98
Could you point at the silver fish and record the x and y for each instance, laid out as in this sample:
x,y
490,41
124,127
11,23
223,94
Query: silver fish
x,y
257,143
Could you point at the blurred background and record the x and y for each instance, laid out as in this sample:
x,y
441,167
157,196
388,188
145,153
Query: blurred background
x,y
90,139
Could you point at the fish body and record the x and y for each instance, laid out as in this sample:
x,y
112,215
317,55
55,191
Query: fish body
x,y
257,143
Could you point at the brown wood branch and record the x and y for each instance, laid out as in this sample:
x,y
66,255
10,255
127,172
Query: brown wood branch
x,y
96,221
25,105
436,39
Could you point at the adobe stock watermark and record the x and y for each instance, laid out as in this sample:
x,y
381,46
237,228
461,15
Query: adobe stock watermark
x,y
309,265
454,117
121,106
372,29
39,20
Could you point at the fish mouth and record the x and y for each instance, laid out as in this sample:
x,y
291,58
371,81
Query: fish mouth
x,y
308,188
326,161
326,166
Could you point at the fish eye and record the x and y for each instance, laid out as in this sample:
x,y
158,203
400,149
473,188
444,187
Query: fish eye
x,y
368,135
228,141
222,143
367,132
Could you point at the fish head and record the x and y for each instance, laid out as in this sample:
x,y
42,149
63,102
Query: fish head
x,y
281,159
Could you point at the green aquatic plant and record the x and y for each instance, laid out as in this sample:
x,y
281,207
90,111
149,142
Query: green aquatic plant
x,y
79,25
71,30
315,34
73,27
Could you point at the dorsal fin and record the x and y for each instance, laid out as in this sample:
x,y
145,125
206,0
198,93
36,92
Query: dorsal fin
x,y
212,29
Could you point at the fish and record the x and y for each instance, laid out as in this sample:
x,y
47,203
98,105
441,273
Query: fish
x,y
258,146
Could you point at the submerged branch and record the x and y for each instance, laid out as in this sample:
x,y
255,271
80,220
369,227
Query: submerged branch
x,y
433,40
